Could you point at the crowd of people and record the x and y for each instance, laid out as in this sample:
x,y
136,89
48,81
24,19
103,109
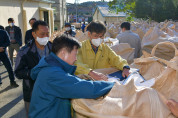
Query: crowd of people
x,y
49,70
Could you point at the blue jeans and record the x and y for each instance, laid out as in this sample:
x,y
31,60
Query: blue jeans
x,y
5,60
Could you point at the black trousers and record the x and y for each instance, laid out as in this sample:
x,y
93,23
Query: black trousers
x,y
5,60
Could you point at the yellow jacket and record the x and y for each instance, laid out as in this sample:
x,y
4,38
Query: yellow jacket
x,y
105,57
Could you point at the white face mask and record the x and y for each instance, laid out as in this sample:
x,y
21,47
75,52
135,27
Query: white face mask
x,y
42,41
97,42
67,28
11,24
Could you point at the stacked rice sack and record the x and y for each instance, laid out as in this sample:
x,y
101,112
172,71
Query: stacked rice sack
x,y
162,32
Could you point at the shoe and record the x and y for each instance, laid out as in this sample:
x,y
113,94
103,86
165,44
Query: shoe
x,y
14,84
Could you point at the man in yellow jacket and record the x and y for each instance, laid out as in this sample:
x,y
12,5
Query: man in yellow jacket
x,y
94,54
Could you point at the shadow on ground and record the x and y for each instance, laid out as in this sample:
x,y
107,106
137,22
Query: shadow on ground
x,y
10,105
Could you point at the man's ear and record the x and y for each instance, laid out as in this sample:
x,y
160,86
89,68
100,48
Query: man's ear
x,y
89,34
34,35
62,53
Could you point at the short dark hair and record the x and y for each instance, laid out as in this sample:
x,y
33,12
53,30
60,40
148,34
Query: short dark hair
x,y
32,19
10,20
64,41
96,26
125,25
37,23
1,27
67,24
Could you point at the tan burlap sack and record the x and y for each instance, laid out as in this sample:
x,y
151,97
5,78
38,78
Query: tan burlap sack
x,y
165,72
79,33
113,30
125,51
124,102
167,82
82,36
153,37
140,32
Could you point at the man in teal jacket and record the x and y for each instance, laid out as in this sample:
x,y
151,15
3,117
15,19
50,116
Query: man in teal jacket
x,y
56,83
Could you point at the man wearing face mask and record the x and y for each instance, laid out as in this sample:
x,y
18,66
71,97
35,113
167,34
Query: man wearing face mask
x,y
68,30
15,38
29,56
96,55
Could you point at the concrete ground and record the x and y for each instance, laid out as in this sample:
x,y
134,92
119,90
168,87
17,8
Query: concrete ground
x,y
11,99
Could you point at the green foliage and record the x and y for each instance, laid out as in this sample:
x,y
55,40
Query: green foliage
x,y
158,10
129,19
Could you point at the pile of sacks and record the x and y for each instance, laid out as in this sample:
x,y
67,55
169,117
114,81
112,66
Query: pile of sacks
x,y
160,33
151,33
129,101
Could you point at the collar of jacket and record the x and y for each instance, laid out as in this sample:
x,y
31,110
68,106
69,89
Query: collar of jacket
x,y
33,47
127,31
8,27
88,46
54,60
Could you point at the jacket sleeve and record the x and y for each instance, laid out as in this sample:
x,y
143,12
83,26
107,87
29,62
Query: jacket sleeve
x,y
26,37
116,60
64,85
21,69
81,67
6,39
20,33
19,38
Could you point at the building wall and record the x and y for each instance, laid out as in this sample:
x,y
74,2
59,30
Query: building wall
x,y
60,13
97,16
114,19
22,12
9,8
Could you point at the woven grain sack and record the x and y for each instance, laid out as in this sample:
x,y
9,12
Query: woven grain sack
x,y
83,37
125,51
155,36
165,72
124,101
167,82
79,33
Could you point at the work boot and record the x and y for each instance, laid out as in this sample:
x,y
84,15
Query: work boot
x,y
14,84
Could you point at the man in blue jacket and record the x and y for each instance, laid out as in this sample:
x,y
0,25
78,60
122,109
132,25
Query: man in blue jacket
x,y
4,42
56,83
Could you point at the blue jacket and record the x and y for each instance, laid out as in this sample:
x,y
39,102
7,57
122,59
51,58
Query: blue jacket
x,y
56,85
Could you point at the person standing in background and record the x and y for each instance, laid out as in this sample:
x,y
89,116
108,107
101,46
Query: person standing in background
x,y
68,30
15,38
28,34
4,42
1,27
83,27
131,38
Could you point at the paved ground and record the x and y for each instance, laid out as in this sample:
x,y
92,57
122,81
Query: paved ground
x,y
11,99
